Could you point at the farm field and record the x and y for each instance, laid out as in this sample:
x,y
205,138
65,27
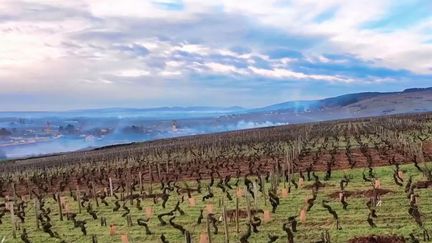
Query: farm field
x,y
378,167
393,217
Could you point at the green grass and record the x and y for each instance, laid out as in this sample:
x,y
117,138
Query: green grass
x,y
393,217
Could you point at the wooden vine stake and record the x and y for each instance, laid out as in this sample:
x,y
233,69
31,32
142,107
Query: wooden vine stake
x,y
111,186
94,194
208,230
60,206
272,180
237,216
303,215
140,182
277,175
129,187
248,207
263,189
78,193
63,203
36,205
167,167
290,172
159,172
13,220
284,175
14,192
150,179
255,188
225,222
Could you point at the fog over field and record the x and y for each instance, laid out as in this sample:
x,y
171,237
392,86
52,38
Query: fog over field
x,y
35,133
28,134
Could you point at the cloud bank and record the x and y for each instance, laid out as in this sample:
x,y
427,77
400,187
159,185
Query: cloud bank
x,y
90,53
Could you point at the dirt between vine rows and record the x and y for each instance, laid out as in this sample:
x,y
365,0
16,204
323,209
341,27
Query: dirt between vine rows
x,y
427,148
378,239
366,193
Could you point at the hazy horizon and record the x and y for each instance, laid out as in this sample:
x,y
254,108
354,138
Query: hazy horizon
x,y
233,106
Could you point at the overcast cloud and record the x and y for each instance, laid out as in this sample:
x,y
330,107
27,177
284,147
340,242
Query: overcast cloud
x,y
57,55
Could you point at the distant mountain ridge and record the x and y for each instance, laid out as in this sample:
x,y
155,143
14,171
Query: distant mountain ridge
x,y
346,100
355,105
167,112
166,108
343,106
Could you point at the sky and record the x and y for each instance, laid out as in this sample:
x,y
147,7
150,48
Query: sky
x,y
62,55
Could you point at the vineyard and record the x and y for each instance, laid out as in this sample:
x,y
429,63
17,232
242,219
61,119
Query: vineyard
x,y
362,180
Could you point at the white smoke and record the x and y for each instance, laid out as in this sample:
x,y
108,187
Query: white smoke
x,y
249,124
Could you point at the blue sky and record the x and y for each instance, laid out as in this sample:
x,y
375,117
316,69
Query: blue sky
x,y
60,55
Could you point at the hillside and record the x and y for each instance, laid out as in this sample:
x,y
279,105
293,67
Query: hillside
x,y
418,94
349,106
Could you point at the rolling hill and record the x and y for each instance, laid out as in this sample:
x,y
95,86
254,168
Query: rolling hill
x,y
351,106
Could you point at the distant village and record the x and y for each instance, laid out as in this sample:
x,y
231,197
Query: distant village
x,y
28,132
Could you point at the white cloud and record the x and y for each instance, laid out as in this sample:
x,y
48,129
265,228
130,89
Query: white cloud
x,y
398,49
280,73
167,73
222,68
67,46
193,48
132,73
